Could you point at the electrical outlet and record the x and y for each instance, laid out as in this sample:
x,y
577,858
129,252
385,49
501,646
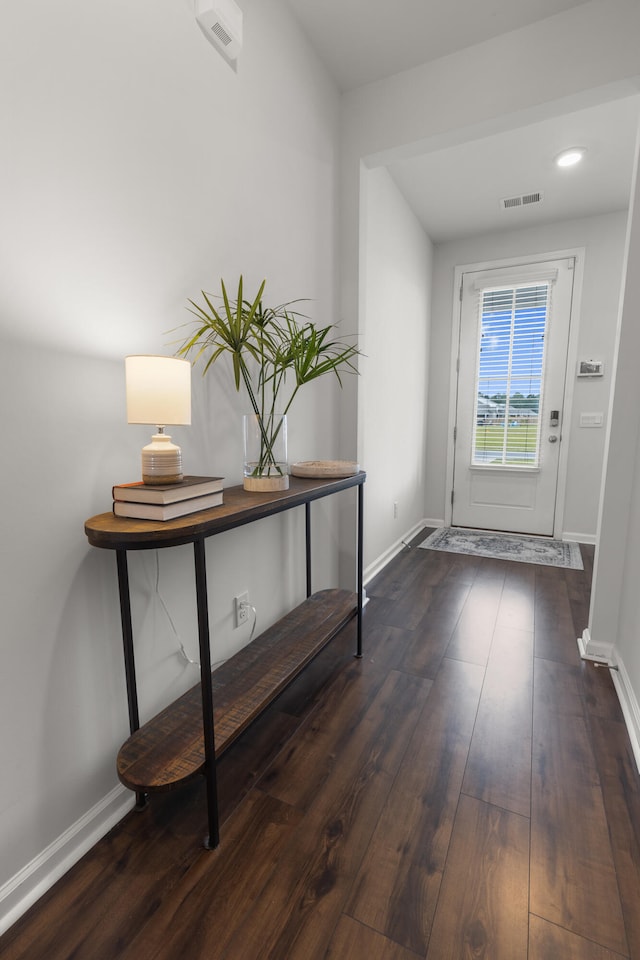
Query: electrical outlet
x,y
241,606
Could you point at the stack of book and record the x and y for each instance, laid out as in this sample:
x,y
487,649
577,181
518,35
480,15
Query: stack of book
x,y
146,501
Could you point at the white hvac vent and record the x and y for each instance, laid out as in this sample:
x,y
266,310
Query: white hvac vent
x,y
221,23
525,199
222,35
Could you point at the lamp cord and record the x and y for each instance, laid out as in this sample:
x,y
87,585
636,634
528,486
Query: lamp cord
x,y
245,603
181,652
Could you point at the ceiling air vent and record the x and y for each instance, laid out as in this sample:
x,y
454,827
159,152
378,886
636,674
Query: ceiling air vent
x,y
524,200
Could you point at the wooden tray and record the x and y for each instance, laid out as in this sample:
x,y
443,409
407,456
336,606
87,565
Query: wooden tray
x,y
325,468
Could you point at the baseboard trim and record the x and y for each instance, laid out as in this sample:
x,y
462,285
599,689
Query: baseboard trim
x,y
589,538
630,707
32,881
431,522
589,650
373,569
607,655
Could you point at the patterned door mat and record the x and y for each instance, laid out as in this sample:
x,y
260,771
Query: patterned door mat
x,y
505,546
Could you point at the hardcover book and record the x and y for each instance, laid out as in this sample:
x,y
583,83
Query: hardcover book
x,y
190,486
166,511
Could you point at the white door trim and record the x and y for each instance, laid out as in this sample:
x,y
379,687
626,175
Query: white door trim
x,y
572,359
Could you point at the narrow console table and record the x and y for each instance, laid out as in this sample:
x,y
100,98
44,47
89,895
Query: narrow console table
x,y
185,738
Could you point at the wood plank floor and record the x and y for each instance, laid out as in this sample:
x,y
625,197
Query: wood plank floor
x,y
467,791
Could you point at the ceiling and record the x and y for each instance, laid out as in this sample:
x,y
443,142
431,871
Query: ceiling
x,y
364,40
458,191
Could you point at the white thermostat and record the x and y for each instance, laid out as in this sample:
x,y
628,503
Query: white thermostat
x,y
590,368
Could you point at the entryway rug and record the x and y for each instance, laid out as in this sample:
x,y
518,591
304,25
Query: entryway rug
x,y
505,546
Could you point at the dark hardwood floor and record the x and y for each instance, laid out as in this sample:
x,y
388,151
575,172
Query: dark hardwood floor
x,y
465,791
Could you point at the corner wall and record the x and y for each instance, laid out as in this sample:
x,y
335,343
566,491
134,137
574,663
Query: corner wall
x,y
613,635
395,276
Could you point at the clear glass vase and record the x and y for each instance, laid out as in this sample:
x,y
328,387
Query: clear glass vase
x,y
265,452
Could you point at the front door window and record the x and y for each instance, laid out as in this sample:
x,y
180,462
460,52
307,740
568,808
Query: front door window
x,y
509,376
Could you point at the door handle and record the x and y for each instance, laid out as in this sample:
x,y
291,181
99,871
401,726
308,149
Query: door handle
x,y
553,438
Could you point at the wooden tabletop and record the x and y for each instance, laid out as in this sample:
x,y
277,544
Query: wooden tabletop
x,y
239,507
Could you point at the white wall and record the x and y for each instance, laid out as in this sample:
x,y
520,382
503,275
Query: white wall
x,y
625,452
396,293
603,239
612,634
137,168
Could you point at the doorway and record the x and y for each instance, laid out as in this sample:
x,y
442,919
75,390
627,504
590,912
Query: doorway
x,y
513,343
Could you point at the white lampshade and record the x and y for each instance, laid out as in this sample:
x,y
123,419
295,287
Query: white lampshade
x,y
158,390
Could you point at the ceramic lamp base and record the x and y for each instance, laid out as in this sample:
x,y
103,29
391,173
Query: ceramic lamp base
x,y
161,461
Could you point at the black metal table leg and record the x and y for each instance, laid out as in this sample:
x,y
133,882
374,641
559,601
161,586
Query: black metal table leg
x,y
359,548
307,533
129,658
213,838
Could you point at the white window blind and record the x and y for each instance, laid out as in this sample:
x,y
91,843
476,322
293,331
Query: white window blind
x,y
510,374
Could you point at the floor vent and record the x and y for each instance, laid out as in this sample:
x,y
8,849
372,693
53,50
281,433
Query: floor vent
x,y
524,200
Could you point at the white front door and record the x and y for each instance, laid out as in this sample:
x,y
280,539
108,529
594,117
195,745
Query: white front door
x,y
514,333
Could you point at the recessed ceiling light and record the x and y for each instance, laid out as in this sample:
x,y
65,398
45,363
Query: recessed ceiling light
x,y
569,158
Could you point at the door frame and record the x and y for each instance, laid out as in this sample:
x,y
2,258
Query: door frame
x,y
572,359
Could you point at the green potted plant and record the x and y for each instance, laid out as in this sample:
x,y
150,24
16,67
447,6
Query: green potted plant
x,y
274,352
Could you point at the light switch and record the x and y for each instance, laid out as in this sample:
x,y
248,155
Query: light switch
x,y
591,419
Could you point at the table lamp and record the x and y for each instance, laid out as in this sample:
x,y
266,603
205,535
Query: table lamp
x,y
159,392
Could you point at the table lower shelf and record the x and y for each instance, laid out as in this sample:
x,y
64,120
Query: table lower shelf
x,y
169,749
